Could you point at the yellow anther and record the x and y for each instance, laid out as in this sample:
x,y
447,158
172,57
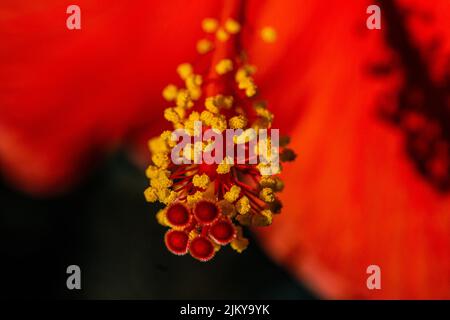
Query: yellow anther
x,y
263,112
238,122
170,92
161,217
161,181
268,34
239,243
191,199
243,205
222,35
232,26
201,181
210,25
160,160
233,194
263,218
241,74
150,194
184,99
224,167
158,144
248,84
185,70
219,123
166,196
193,80
250,91
207,117
151,172
224,66
267,195
214,103
204,46
171,115
211,105
195,93
169,138
194,116
181,111
170,198
267,182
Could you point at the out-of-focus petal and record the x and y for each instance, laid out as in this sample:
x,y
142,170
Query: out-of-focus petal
x,y
353,198
67,97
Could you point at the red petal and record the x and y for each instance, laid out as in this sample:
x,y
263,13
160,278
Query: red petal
x,y
353,197
69,96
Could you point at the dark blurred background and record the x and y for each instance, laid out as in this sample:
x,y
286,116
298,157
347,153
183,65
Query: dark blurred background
x,y
106,227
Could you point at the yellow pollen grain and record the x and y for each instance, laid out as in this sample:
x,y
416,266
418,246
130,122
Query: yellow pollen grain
x,y
201,181
224,66
240,243
263,219
211,105
161,217
224,167
150,194
233,194
191,199
209,25
238,122
267,195
184,70
222,35
170,92
243,205
204,46
171,115
268,34
232,26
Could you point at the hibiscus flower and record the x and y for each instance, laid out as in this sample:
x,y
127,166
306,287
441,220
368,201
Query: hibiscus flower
x,y
367,111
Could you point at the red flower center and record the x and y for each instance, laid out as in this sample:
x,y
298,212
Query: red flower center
x,y
177,241
206,212
178,215
201,248
222,232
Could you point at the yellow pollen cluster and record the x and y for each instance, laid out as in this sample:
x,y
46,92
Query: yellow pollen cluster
x,y
238,122
245,80
224,167
210,25
229,193
224,66
201,181
268,34
233,194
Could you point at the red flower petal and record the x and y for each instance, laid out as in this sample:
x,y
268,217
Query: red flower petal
x,y
70,96
353,197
